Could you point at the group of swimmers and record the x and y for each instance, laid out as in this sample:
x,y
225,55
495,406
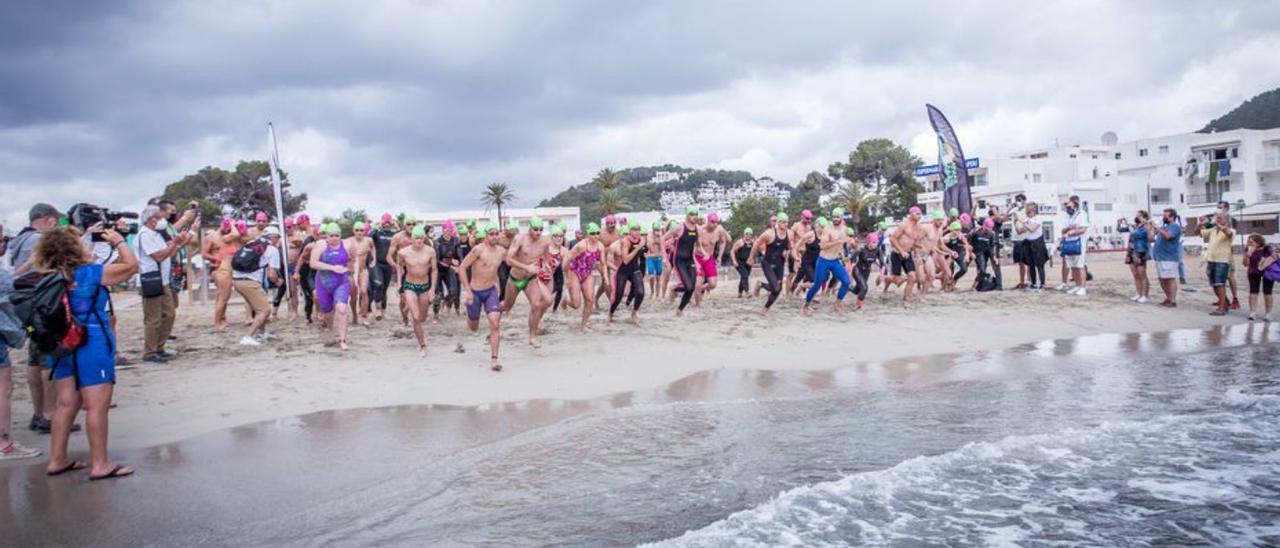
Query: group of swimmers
x,y
484,267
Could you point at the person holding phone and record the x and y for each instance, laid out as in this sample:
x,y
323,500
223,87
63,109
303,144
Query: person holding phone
x,y
155,276
1136,255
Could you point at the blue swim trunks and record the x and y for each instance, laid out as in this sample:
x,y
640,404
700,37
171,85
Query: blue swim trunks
x,y
653,266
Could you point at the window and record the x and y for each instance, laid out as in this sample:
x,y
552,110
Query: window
x,y
1164,149
1117,155
1142,152
1035,177
1095,156
980,179
1179,171
1161,195
1039,155
1130,198
1095,172
1101,206
1073,155
1235,152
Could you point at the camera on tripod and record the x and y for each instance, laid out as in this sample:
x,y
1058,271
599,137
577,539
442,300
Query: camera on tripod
x,y
85,216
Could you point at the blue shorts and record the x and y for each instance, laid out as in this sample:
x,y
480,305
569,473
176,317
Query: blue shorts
x,y
488,298
94,363
1218,274
653,266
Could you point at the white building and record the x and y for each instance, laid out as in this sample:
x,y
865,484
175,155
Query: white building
x,y
712,196
570,215
1115,180
665,177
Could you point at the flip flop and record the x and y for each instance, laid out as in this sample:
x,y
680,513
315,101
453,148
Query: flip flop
x,y
114,473
71,466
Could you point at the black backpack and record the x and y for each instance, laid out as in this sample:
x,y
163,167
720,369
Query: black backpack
x,y
43,305
248,258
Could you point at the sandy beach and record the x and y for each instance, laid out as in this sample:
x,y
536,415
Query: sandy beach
x,y
215,383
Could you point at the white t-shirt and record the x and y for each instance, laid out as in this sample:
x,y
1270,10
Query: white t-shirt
x,y
1079,220
270,258
150,241
1017,217
1035,229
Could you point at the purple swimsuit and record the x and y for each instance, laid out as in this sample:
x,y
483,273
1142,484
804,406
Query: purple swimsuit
x,y
332,288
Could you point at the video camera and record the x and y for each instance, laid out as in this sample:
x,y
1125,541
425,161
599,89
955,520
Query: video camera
x,y
85,216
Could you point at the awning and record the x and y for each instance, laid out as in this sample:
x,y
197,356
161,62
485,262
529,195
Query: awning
x,y
1258,212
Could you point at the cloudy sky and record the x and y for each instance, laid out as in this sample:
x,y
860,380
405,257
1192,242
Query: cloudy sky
x,y
394,105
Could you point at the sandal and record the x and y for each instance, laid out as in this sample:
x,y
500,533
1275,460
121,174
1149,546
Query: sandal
x,y
117,472
70,467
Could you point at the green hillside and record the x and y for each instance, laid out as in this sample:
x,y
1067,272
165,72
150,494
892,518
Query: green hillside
x,y
1260,112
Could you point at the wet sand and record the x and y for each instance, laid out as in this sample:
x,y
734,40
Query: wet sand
x,y
267,483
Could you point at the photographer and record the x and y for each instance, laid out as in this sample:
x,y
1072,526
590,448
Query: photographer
x,y
1217,233
1135,255
93,221
157,250
87,378
1166,249
173,224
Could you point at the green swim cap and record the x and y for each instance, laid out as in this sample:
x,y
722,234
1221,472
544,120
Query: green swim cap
x,y
491,228
643,231
358,226
481,234
883,225
513,225
955,212
748,231
409,218
557,230
535,223
593,228
418,232
849,231
955,225
657,225
837,212
331,228
691,210
633,226
938,216
471,223
781,216
822,221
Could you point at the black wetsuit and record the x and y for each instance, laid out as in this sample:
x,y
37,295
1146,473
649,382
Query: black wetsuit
x,y
808,261
960,264
306,280
985,244
629,273
380,273
863,261
743,256
447,289
684,263
774,265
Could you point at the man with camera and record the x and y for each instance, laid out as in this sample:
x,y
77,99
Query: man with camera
x,y
157,249
43,218
1217,233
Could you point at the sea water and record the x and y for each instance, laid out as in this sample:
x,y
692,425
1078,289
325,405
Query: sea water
x,y
1142,439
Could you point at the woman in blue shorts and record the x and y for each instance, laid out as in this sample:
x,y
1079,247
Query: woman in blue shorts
x,y
87,377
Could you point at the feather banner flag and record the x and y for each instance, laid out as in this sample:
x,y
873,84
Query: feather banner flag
x,y
951,163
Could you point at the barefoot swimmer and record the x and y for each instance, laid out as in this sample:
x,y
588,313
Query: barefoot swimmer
x,y
333,282
418,274
479,275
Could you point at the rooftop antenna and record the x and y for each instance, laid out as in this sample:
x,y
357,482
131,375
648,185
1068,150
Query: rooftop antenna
x,y
1110,138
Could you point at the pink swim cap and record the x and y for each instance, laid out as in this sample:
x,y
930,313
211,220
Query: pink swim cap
x,y
241,227
226,223
288,222
304,219
713,217
914,210
965,218
806,214
386,217
448,225
873,239
988,223
610,220
261,217
622,220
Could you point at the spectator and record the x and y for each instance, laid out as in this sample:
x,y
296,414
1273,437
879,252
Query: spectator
x,y
172,225
157,248
43,218
11,336
1167,252
252,284
87,378
1136,255
1258,257
1073,245
1018,215
1225,209
1034,252
1217,234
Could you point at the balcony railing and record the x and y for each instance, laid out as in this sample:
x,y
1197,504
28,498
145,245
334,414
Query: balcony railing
x,y
1269,161
1210,198
1269,197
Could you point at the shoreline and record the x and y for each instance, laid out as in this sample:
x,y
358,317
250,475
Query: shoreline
x,y
215,384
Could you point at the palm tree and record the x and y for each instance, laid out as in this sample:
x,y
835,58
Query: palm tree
x,y
497,195
855,199
607,179
611,202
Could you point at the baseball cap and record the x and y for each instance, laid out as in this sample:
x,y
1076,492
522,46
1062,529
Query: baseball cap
x,y
42,210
